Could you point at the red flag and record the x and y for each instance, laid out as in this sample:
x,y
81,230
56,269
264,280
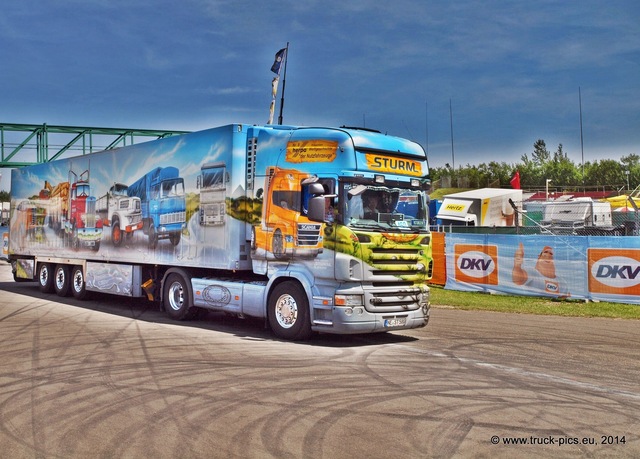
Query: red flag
x,y
515,181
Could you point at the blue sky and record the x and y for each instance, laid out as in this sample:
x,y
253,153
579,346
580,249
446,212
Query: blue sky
x,y
511,69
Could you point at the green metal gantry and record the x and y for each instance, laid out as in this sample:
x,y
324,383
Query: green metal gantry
x,y
27,144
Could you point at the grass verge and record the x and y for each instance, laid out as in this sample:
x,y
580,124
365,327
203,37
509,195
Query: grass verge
x,y
530,305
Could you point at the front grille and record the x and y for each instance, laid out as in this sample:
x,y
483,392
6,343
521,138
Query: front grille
x,y
308,234
91,205
173,217
396,300
90,220
405,262
90,215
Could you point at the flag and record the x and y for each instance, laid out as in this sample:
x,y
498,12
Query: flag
x,y
515,181
275,68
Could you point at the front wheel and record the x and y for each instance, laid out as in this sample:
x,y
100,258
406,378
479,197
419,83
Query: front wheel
x,y
116,233
288,312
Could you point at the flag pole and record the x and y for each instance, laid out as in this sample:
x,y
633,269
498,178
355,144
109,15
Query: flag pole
x,y
284,82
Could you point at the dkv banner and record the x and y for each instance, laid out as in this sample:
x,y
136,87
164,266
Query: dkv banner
x,y
579,267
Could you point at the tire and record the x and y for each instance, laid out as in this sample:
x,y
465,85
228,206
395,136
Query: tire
x,y
288,312
62,280
175,238
46,277
78,284
153,237
116,233
277,244
177,297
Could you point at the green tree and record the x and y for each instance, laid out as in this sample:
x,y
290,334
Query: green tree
x,y
540,153
606,172
631,163
561,170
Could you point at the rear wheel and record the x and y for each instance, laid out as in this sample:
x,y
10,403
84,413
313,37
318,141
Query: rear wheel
x,y
78,285
46,277
62,283
288,312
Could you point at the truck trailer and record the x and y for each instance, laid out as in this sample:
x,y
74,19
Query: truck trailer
x,y
481,207
293,247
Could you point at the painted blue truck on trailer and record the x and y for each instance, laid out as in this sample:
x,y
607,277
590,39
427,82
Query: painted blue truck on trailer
x,y
163,204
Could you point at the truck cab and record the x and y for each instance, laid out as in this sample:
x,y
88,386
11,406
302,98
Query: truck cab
x,y
286,231
369,269
163,204
82,224
121,212
212,183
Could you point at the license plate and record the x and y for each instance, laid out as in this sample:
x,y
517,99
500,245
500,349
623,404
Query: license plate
x,y
395,322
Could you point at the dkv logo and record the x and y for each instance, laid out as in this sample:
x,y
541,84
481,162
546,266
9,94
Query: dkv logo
x,y
611,272
476,264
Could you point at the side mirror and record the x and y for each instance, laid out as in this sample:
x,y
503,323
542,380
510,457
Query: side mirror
x,y
316,188
316,210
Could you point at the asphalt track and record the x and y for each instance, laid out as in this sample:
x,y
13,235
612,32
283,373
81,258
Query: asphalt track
x,y
114,378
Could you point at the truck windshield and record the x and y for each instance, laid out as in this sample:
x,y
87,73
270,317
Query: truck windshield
x,y
119,189
380,207
83,190
213,178
172,188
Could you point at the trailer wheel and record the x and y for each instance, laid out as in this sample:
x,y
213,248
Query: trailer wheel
x,y
45,277
178,298
116,233
78,285
62,282
288,312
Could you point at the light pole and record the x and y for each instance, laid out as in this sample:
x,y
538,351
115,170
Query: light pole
x,y
627,174
547,190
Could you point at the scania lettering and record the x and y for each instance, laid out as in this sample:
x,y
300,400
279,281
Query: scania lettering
x,y
294,225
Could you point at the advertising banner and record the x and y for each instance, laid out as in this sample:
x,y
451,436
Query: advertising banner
x,y
578,267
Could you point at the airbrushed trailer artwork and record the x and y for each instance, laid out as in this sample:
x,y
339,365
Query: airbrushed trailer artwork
x,y
314,229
